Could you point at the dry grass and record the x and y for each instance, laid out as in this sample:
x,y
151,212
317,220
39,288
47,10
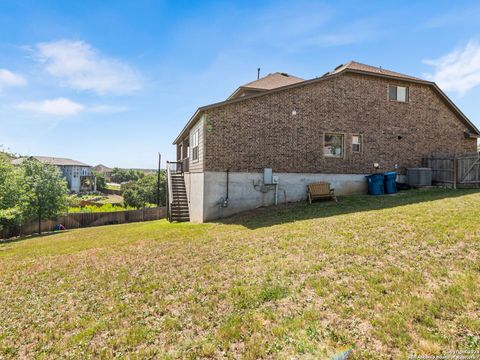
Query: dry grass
x,y
386,276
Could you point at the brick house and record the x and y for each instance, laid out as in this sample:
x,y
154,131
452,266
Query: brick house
x,y
333,128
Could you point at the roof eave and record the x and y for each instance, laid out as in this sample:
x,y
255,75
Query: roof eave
x,y
238,99
187,125
325,77
458,111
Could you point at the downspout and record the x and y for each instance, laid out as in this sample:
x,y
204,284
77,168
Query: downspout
x,y
225,201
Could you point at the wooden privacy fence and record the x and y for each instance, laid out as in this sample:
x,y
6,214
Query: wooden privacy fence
x,y
458,170
80,220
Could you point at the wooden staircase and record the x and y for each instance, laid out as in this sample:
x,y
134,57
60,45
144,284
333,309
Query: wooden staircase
x,y
179,205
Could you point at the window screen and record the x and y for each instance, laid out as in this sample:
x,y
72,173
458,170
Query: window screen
x,y
356,143
195,145
398,93
333,145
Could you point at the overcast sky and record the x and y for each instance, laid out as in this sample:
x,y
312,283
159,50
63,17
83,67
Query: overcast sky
x,y
113,82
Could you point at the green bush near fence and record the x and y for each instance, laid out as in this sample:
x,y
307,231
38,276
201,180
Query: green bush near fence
x,y
95,209
104,208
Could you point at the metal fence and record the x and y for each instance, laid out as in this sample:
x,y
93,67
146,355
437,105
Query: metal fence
x,y
80,220
458,170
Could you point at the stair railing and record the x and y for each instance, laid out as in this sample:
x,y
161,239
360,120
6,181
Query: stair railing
x,y
173,167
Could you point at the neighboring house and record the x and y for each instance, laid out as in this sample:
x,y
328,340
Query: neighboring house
x,y
79,176
104,170
333,128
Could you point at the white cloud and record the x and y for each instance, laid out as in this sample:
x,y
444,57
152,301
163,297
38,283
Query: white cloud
x,y
64,107
59,107
458,70
82,67
8,79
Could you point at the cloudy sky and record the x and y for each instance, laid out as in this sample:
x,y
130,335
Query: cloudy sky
x,y
113,82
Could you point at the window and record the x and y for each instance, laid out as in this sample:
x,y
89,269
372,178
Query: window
x,y
356,143
195,146
333,145
398,93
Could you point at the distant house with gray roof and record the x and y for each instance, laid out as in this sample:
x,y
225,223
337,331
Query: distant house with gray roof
x,y
79,175
104,170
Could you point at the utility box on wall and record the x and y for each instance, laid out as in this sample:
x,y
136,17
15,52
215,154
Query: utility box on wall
x,y
267,176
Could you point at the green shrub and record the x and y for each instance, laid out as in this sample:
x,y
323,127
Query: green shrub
x,y
95,209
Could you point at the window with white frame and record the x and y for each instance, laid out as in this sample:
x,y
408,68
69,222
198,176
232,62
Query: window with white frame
x,y
194,145
398,93
356,143
333,145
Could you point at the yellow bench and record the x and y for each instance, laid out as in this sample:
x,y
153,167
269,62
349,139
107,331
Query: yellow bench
x,y
320,190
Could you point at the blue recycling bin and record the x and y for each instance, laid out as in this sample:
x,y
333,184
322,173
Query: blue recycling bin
x,y
390,182
375,184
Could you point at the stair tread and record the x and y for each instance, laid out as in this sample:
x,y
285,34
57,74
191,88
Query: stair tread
x,y
179,207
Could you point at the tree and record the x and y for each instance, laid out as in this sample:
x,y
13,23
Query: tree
x,y
10,193
101,181
44,191
142,192
123,175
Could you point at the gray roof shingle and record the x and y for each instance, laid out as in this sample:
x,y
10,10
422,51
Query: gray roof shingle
x,y
52,160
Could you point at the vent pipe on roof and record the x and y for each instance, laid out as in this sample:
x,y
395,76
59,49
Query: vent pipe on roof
x,y
258,73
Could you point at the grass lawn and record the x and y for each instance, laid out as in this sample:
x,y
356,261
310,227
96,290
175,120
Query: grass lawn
x,y
113,186
387,276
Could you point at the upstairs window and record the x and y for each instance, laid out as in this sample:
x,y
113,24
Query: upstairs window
x,y
180,150
356,143
194,145
333,145
398,93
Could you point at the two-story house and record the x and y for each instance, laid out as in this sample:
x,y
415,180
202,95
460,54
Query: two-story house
x,y
79,176
333,128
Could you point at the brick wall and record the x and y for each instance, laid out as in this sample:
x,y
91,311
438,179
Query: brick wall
x,y
262,132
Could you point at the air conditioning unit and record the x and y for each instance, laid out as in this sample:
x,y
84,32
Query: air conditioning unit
x,y
419,177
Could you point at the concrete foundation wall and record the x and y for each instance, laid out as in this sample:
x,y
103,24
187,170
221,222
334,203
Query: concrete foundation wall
x,y
243,195
194,184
